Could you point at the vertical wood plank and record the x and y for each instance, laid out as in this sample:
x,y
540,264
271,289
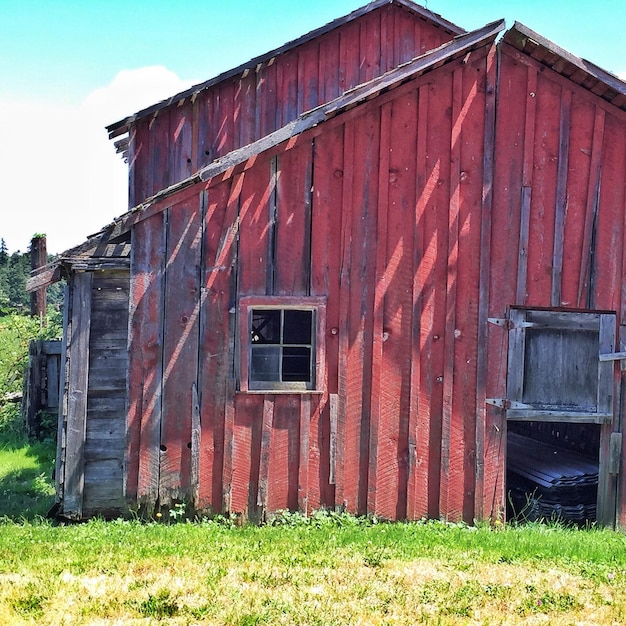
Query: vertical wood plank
x,y
609,233
145,354
159,175
607,482
484,464
304,453
527,181
334,410
180,149
593,196
284,456
326,220
561,197
449,477
246,104
180,348
214,371
340,474
397,347
363,267
59,476
542,220
419,429
196,437
254,244
223,119
377,425
204,130
246,456
435,261
266,97
266,439
139,147
227,255
77,401
293,230
522,259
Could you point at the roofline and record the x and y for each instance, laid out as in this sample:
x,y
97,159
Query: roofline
x,y
581,71
116,230
119,128
392,79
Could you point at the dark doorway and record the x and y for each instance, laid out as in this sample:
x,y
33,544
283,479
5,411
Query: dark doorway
x,y
552,471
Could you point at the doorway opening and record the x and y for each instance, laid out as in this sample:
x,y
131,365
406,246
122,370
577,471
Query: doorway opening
x,y
552,471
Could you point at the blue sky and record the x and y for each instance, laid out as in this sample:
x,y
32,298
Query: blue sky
x,y
69,67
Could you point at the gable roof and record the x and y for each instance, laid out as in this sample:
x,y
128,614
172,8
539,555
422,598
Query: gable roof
x,y
580,71
433,59
117,231
121,127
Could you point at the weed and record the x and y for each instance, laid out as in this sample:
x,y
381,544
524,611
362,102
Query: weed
x,y
157,606
178,512
30,603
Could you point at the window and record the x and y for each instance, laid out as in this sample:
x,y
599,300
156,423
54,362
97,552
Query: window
x,y
281,343
560,365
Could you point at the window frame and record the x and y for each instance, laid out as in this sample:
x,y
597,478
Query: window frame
x,y
317,305
602,322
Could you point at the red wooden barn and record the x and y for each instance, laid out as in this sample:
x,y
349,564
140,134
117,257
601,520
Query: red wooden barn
x,y
379,269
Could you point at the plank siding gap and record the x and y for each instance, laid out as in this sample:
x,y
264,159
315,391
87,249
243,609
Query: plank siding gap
x,y
493,62
231,242
593,196
527,182
419,430
307,260
344,314
376,421
448,477
561,197
273,226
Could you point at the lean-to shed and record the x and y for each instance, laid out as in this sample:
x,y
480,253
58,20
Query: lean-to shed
x,y
353,268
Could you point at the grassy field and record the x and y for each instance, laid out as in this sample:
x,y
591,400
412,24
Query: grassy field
x,y
26,487
329,569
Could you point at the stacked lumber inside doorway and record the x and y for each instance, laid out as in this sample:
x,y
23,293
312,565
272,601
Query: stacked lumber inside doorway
x,y
549,482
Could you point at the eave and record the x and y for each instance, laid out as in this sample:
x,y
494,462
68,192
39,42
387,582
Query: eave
x,y
122,127
580,71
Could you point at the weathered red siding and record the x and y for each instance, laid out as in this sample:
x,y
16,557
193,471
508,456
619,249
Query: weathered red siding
x,y
178,140
380,212
417,215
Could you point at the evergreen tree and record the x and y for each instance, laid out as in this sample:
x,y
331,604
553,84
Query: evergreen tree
x,y
14,272
4,253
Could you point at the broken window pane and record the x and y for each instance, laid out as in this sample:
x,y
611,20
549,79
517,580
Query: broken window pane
x,y
265,326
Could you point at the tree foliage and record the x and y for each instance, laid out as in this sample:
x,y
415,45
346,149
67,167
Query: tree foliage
x,y
14,272
17,329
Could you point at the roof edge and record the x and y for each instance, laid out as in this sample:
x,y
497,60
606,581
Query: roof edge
x,y
431,60
120,127
527,40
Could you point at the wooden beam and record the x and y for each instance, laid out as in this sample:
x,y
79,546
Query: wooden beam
x,y
561,197
78,347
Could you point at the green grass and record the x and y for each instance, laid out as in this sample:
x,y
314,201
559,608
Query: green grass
x,y
26,486
329,569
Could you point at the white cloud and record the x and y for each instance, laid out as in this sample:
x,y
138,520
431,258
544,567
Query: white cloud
x,y
60,172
